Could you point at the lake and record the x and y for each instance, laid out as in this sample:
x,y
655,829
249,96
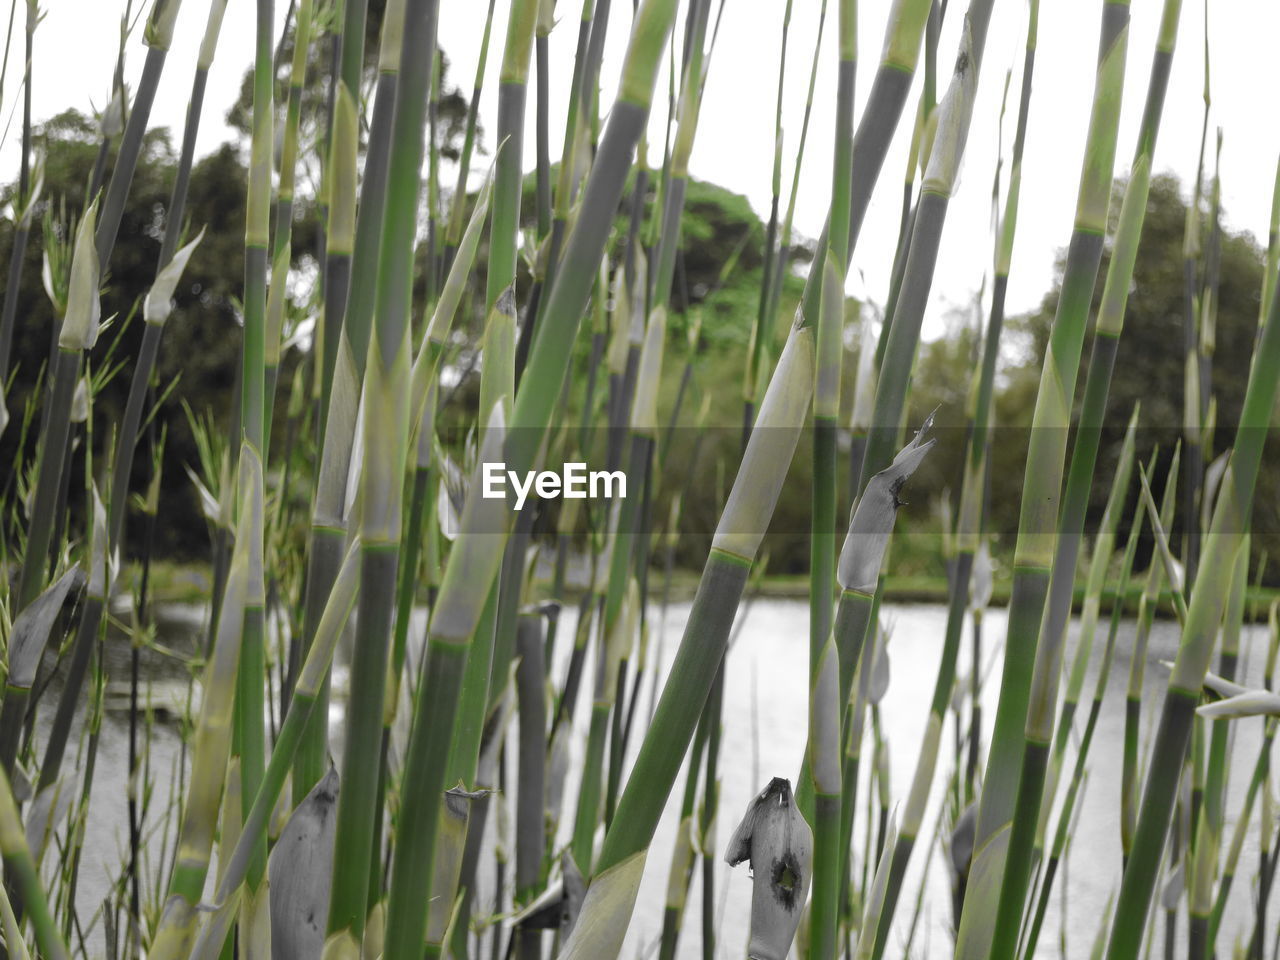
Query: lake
x,y
765,719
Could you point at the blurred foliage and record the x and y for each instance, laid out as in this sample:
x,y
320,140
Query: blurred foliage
x,y
200,347
1148,369
199,352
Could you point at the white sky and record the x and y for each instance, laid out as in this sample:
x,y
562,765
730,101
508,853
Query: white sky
x,y
76,47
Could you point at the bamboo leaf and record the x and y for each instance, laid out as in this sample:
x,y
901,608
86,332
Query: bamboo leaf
x,y
159,301
84,308
31,631
606,911
777,842
300,874
1250,703
872,518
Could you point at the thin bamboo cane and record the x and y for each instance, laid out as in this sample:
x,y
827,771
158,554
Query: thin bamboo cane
x,y
228,894
78,334
1066,817
825,711
126,442
476,556
1049,651
13,845
1041,494
385,426
341,278
1193,403
969,521
1208,598
212,742
27,193
354,240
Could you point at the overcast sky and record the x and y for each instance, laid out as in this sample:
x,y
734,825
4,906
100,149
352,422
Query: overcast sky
x,y
76,47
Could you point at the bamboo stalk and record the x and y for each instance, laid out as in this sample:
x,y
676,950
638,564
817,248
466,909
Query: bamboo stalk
x,y
228,894
354,237
1193,404
212,742
78,334
825,711
13,845
476,556
385,428
531,795
158,36
1074,792
28,192
1048,663
1041,494
1208,598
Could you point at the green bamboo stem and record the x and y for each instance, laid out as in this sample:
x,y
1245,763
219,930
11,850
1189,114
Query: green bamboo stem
x,y
970,514
543,378
1241,831
739,534
455,619
512,85
49,467
712,719
13,845
453,233
885,100
1099,561
282,238
1049,651
353,241
362,248
763,328
500,281
825,775
579,126
972,511
644,381
530,797
126,441
27,192
1259,780
1273,256
431,245
1202,858
954,114
926,762
548,364
342,279
1208,599
497,379
386,427
228,896
825,711
1074,790
77,334
466,756
616,630
86,634
158,36
1130,772
212,742
682,855
250,739
824,703
762,345
1040,499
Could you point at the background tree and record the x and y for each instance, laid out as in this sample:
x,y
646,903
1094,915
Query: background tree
x,y
1151,353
